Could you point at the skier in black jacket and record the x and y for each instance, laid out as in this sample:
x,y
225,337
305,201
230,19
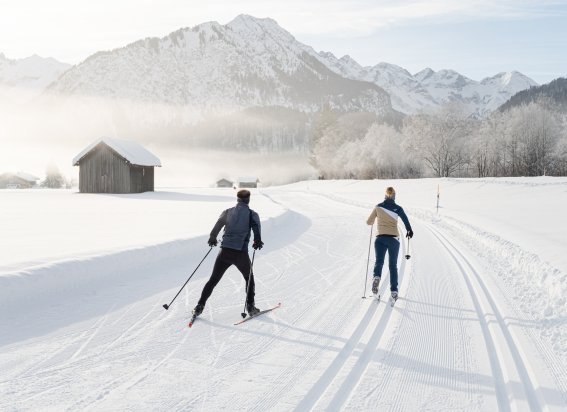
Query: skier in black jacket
x,y
237,222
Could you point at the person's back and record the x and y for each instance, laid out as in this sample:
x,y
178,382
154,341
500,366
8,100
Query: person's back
x,y
387,214
237,224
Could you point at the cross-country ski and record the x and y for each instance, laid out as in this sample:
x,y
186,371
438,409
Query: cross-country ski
x,y
258,314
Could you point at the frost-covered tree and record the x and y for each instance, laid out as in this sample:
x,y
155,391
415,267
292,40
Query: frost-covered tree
x,y
381,155
440,139
527,140
532,134
560,154
487,147
329,155
53,179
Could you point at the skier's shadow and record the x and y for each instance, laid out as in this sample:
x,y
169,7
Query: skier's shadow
x,y
280,337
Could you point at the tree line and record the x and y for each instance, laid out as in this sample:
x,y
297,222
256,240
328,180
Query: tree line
x,y
526,140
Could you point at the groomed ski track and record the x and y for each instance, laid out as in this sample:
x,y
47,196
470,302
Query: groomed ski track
x,y
453,341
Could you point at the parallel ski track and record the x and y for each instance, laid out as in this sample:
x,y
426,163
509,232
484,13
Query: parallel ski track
x,y
484,302
342,265
323,385
290,374
325,381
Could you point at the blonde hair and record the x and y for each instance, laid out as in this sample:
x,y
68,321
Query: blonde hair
x,y
390,192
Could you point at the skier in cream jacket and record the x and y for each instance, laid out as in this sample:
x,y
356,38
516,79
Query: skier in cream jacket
x,y
388,238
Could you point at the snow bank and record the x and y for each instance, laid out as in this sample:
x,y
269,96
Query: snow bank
x,y
41,299
43,226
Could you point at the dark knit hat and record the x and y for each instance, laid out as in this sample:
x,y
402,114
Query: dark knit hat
x,y
243,194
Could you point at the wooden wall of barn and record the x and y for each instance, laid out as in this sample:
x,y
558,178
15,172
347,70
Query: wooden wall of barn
x,y
102,170
141,179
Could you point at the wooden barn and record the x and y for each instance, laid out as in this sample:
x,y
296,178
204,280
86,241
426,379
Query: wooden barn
x,y
224,183
18,180
248,182
111,165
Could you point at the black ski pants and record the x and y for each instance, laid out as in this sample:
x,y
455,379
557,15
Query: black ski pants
x,y
225,259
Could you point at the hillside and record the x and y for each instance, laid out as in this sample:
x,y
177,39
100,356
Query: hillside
x,y
555,92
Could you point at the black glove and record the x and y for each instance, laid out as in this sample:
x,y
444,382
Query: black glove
x,y
212,241
409,234
257,245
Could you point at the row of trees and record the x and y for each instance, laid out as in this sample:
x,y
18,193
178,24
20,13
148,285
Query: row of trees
x,y
528,140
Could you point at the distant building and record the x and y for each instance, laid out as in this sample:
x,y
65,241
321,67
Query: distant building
x,y
247,182
111,165
18,180
224,183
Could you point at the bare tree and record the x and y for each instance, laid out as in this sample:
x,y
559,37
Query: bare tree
x,y
440,138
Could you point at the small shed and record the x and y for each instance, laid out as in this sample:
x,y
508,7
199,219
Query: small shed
x,y
224,183
18,180
110,165
248,182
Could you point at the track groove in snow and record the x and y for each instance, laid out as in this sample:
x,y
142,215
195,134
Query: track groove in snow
x,y
499,342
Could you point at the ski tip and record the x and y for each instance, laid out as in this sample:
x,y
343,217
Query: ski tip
x,y
190,324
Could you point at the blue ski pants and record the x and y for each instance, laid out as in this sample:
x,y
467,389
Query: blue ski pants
x,y
392,245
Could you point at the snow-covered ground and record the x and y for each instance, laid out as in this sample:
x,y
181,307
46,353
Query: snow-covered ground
x,y
481,323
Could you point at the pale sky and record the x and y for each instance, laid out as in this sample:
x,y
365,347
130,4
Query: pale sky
x,y
477,38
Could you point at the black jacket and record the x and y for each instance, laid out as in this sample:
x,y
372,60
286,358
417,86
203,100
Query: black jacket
x,y
237,222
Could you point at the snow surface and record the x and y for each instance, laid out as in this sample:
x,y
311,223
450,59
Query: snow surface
x,y
480,324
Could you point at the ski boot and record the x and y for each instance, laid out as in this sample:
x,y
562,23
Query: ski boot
x,y
198,310
375,284
251,309
394,297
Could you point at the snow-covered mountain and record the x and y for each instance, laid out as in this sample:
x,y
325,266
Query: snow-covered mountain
x,y
247,62
24,79
429,89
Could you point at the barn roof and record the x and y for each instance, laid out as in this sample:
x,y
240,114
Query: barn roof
x,y
27,177
247,179
134,152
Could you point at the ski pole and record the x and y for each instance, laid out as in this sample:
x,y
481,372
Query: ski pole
x,y
368,261
166,306
408,255
243,314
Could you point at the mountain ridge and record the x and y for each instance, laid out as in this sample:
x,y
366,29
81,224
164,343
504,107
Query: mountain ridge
x,y
21,80
429,89
267,66
247,62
